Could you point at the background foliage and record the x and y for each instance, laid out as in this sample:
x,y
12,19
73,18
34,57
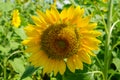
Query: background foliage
x,y
14,63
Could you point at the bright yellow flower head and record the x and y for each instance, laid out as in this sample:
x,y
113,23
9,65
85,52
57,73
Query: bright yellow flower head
x,y
105,1
16,18
60,39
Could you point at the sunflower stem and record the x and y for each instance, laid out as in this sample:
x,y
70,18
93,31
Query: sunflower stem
x,y
97,72
5,68
100,64
108,53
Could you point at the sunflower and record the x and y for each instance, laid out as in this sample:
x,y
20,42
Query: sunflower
x,y
61,38
16,18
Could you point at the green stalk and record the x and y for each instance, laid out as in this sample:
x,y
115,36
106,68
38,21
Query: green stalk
x,y
108,53
5,68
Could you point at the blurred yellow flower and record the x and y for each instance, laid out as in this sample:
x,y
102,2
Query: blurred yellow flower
x,y
60,39
16,18
105,1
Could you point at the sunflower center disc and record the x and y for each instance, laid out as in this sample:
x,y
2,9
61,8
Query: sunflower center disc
x,y
61,44
60,41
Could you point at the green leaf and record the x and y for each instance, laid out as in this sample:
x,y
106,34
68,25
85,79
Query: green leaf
x,y
6,6
14,45
20,32
4,50
9,35
78,75
116,61
18,65
27,78
29,70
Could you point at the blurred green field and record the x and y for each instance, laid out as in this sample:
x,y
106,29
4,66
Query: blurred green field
x,y
14,64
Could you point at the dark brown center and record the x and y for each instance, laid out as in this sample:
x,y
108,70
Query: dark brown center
x,y
60,41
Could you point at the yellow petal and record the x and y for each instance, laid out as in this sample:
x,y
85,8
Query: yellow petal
x,y
32,49
78,62
78,13
42,16
31,41
44,58
70,12
93,42
92,33
90,26
50,17
32,31
47,67
35,59
84,56
89,52
70,64
62,67
84,22
56,67
36,20
63,14
55,13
